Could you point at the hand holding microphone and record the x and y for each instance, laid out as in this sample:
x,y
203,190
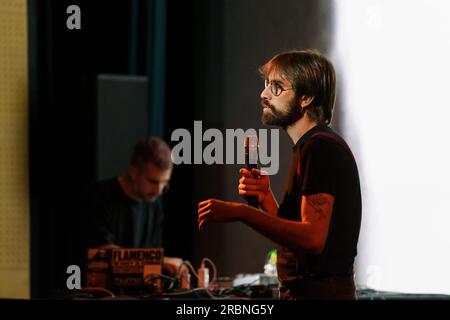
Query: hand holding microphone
x,y
253,186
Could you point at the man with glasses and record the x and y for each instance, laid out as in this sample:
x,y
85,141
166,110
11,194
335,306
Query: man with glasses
x,y
126,211
317,223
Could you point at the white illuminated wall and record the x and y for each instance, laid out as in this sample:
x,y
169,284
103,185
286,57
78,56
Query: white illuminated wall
x,y
393,60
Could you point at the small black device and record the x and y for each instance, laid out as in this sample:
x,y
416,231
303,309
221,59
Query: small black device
x,y
251,162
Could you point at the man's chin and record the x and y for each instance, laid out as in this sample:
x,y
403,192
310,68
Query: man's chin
x,y
150,199
268,120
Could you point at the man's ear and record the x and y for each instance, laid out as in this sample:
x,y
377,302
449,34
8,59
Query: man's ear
x,y
306,101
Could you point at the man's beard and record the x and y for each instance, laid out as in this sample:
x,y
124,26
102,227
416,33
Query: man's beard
x,y
145,198
282,118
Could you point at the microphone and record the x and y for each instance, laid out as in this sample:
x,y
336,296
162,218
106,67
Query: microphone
x,y
251,162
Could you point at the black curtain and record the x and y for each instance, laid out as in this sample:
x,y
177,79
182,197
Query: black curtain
x,y
63,66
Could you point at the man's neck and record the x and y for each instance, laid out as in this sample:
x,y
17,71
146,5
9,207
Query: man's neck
x,y
127,188
299,128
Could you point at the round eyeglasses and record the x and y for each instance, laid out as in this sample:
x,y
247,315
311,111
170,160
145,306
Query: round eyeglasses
x,y
275,88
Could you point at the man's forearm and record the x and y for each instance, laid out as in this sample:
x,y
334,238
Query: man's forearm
x,y
296,235
270,204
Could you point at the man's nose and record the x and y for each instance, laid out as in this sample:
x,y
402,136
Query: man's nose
x,y
161,188
156,188
266,94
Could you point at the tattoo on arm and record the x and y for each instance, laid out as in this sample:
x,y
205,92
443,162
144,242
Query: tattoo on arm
x,y
320,203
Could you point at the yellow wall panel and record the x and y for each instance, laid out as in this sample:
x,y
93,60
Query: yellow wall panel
x,y
14,197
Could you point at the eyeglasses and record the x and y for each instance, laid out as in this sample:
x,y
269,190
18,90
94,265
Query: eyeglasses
x,y
275,87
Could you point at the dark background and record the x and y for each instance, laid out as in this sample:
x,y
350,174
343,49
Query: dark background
x,y
212,50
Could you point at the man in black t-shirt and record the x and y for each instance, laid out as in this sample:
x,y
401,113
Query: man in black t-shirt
x,y
126,211
116,219
317,224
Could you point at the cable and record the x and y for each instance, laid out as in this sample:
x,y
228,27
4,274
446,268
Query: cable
x,y
158,275
207,291
213,267
177,276
97,289
190,266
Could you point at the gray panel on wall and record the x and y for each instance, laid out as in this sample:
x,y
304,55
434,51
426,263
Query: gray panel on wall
x,y
122,113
